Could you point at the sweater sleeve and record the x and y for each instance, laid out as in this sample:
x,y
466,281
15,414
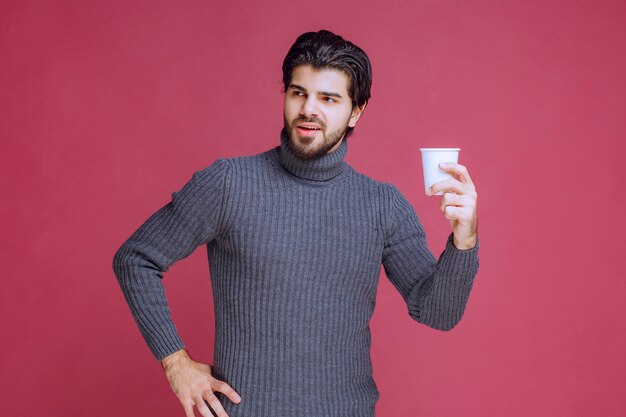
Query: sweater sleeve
x,y
193,217
436,291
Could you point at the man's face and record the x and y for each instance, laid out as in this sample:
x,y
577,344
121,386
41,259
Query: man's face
x,y
318,111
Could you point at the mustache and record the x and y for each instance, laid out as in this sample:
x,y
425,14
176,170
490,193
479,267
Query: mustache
x,y
308,120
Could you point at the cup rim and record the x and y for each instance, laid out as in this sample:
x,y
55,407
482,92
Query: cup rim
x,y
440,149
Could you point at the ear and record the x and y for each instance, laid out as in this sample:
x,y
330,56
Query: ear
x,y
356,113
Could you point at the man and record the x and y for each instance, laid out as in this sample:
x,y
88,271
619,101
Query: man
x,y
295,239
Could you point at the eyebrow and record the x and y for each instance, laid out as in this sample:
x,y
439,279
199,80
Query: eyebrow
x,y
322,93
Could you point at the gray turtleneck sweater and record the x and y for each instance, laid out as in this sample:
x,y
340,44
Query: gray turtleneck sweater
x,y
295,249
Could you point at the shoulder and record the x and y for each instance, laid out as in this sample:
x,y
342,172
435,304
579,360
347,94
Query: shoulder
x,y
366,181
214,173
385,190
394,207
232,166
244,163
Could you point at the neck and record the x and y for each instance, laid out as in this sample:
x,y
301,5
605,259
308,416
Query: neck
x,y
323,168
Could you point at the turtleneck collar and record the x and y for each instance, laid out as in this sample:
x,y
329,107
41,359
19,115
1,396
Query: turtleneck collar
x,y
321,169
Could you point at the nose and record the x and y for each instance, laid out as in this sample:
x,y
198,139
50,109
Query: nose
x,y
309,107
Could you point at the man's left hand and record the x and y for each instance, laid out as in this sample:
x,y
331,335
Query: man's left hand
x,y
458,204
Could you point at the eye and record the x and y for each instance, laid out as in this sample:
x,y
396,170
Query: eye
x,y
297,93
329,99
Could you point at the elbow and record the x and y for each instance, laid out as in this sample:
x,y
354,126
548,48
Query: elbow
x,y
446,326
437,322
117,262
133,257
120,260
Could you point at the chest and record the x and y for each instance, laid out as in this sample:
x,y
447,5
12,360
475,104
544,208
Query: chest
x,y
334,230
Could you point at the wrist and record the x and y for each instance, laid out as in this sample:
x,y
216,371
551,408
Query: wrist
x,y
464,244
175,359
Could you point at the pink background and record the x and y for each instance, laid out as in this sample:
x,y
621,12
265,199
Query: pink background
x,y
107,107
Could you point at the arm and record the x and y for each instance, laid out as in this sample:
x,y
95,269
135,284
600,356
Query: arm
x,y
436,291
191,218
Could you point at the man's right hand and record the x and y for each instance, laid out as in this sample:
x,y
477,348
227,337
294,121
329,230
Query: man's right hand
x,y
192,383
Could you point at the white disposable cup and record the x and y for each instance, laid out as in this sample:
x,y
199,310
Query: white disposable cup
x,y
431,158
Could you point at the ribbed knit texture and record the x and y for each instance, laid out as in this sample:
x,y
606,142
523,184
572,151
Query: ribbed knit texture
x,y
295,249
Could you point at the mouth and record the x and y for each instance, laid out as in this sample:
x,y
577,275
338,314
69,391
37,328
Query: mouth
x,y
307,129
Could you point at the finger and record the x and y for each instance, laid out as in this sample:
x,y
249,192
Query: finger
x,y
449,184
448,212
215,404
227,390
454,213
202,407
459,169
450,199
188,409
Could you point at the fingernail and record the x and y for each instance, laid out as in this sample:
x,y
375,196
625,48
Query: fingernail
x,y
238,398
443,164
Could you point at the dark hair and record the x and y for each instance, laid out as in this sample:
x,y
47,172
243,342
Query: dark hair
x,y
324,49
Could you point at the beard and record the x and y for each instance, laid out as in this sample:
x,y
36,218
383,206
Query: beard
x,y
307,148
